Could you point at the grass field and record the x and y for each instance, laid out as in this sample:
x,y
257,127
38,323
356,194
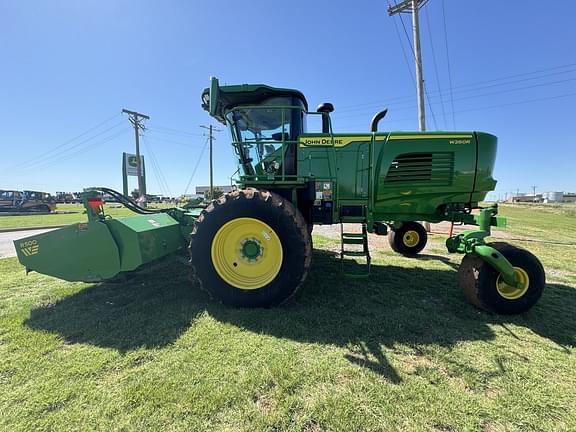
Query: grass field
x,y
399,351
65,214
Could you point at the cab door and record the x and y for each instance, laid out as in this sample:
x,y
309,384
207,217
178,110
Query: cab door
x,y
352,161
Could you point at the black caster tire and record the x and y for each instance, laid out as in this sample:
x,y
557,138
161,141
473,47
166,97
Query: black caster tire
x,y
409,239
483,287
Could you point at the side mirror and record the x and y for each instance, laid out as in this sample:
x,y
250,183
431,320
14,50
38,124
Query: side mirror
x,y
213,96
280,136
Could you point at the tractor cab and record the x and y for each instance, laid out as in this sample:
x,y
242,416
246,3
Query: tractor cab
x,y
265,123
9,199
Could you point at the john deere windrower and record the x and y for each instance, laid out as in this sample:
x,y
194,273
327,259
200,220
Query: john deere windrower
x,y
252,247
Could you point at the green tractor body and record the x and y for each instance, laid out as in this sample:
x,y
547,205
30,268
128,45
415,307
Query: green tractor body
x,y
252,247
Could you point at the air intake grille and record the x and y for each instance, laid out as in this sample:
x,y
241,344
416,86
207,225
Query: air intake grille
x,y
418,168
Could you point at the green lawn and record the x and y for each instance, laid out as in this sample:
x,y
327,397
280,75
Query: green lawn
x,y
399,351
65,214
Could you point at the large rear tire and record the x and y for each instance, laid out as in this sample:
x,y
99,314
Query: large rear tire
x,y
483,286
251,248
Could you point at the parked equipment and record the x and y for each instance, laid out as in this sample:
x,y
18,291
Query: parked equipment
x,y
252,247
26,201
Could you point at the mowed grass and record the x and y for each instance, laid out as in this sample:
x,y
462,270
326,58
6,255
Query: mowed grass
x,y
550,233
64,214
399,351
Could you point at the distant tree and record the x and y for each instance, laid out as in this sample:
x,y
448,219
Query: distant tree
x,y
188,202
216,193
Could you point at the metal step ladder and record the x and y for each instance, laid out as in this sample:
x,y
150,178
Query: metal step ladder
x,y
358,239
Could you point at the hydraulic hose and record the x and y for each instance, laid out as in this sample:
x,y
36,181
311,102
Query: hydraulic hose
x,y
127,202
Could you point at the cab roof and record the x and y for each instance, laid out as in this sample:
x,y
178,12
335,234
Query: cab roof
x,y
245,94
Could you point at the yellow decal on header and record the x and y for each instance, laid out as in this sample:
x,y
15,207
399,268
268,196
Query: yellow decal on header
x,y
29,247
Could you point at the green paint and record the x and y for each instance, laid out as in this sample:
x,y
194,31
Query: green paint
x,y
395,176
143,239
80,252
251,249
100,249
390,177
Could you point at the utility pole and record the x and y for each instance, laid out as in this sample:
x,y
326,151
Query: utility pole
x,y
413,6
211,130
136,120
534,193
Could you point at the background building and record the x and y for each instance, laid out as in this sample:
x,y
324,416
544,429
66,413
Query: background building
x,y
203,189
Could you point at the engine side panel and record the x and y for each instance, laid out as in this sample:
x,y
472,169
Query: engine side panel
x,y
416,173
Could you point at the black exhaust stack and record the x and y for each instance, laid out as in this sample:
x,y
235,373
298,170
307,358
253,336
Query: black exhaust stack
x,y
376,119
325,108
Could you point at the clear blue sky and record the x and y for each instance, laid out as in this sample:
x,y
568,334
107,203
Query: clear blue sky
x,y
68,66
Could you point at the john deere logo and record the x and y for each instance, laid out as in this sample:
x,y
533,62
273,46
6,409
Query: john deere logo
x,y
29,248
133,161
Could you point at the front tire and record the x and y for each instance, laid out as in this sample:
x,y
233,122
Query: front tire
x,y
251,248
483,287
409,239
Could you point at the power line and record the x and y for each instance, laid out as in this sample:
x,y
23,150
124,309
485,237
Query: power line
x,y
411,105
423,86
160,178
196,166
448,65
187,145
65,143
418,60
430,107
154,165
211,129
155,171
499,105
435,66
94,147
524,74
82,151
403,50
172,131
413,6
32,164
464,87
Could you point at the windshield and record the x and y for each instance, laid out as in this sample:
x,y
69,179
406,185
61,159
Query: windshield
x,y
264,135
267,121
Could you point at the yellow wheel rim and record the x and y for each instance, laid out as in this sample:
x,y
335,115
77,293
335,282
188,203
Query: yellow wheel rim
x,y
411,238
246,253
511,292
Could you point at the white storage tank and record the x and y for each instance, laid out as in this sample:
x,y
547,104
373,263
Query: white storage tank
x,y
552,197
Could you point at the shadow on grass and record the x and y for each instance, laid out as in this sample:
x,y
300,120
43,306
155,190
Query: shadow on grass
x,y
410,306
151,309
